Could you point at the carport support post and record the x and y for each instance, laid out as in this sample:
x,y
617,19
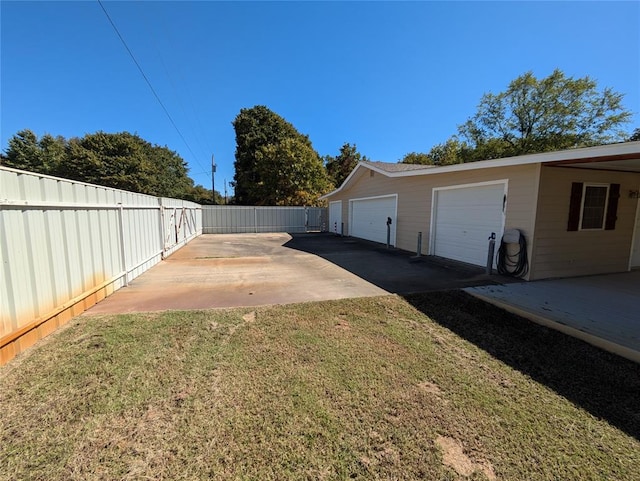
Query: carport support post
x,y
341,229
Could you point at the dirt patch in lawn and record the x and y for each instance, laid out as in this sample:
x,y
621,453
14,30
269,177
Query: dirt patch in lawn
x,y
454,457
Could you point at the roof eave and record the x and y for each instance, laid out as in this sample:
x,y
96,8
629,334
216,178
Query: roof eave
x,y
557,157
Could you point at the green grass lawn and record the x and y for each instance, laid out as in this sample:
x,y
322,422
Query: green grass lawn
x,y
432,387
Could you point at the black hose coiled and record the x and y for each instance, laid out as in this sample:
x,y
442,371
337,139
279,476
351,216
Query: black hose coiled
x,y
517,264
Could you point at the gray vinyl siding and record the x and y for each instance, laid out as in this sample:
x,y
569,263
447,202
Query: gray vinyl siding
x,y
563,253
415,195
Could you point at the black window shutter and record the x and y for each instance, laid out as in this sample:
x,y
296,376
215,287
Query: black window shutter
x,y
612,207
574,206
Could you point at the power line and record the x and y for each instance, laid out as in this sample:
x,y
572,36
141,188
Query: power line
x,y
177,67
148,82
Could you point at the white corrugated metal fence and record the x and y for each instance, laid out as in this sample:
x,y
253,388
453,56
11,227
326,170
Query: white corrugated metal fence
x,y
64,245
231,219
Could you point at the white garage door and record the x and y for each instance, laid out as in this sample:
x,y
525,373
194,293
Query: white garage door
x,y
369,218
335,217
464,218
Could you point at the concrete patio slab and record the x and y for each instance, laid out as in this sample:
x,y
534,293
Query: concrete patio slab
x,y
602,310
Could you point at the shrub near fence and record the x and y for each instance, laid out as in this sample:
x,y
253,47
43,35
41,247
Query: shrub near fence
x,y
66,245
231,219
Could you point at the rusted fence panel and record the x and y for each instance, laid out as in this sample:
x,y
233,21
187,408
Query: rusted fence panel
x,y
65,245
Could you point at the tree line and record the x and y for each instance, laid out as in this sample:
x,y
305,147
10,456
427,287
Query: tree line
x,y
275,164
118,160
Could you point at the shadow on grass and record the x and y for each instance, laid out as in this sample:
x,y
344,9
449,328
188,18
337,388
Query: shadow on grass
x,y
601,383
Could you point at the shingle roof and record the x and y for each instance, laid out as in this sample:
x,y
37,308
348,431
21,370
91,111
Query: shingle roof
x,y
624,156
390,167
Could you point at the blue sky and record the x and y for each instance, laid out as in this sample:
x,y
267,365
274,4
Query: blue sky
x,y
391,77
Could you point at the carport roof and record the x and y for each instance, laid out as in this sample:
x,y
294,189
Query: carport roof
x,y
621,157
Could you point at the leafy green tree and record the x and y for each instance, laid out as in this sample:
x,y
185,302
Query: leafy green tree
x,y
53,151
635,135
541,115
202,195
290,173
417,158
121,160
113,160
270,154
25,153
451,152
340,166
168,172
80,163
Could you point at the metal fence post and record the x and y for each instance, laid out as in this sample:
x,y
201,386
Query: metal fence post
x,y
162,231
123,250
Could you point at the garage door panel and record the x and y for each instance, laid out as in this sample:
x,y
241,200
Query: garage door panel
x,y
464,220
369,216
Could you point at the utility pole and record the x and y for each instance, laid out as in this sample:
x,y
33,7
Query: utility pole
x,y
213,182
225,191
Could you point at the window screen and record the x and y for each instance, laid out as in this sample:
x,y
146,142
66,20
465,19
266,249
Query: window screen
x,y
594,205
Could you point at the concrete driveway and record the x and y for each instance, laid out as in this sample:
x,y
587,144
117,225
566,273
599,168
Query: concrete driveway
x,y
234,270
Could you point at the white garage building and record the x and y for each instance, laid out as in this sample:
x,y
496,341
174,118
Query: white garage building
x,y
578,209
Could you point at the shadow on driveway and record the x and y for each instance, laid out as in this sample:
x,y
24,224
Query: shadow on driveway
x,y
606,385
392,269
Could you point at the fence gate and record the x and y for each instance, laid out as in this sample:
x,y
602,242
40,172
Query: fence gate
x,y
180,224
